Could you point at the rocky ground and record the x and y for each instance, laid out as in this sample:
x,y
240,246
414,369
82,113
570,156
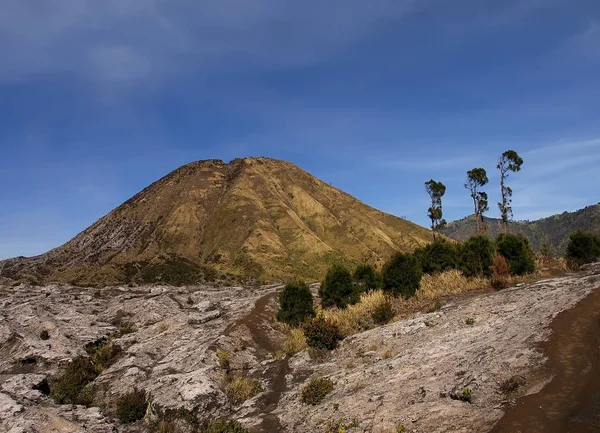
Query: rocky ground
x,y
407,373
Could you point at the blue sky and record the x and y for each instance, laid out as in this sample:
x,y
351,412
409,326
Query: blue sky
x,y
100,98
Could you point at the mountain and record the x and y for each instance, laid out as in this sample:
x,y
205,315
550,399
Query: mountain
x,y
255,218
553,231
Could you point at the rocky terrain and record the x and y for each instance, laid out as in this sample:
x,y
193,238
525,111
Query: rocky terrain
x,y
408,373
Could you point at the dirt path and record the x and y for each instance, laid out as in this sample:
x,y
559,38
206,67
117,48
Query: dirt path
x,y
571,401
256,322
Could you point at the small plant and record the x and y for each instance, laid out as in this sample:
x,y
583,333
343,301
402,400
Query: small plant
x,y
103,353
44,335
241,388
340,425
512,384
322,334
437,306
466,395
373,347
225,426
316,390
162,328
400,429
132,407
470,321
190,301
224,361
387,354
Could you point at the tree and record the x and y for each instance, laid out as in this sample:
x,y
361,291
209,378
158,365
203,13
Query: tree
x,y
338,289
402,275
295,304
509,161
477,178
436,191
582,248
438,257
517,252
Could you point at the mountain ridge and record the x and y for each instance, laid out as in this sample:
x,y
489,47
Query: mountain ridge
x,y
553,231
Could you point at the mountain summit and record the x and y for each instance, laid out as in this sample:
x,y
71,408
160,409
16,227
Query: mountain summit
x,y
255,217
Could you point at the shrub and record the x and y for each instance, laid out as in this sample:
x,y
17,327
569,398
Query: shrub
x,y
321,333
241,388
103,353
466,395
316,390
131,407
68,387
470,321
582,248
500,273
127,328
225,426
295,304
223,357
338,289
517,252
476,256
383,312
402,275
44,335
512,384
438,257
367,278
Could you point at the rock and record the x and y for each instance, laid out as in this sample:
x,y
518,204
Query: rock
x,y
199,319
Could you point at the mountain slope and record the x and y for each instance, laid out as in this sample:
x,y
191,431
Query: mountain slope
x,y
553,231
256,217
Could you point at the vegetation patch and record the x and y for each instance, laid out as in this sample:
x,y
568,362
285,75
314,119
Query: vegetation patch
x,y
44,335
517,252
295,304
338,288
402,275
240,388
338,425
582,248
132,407
224,426
322,333
72,386
316,390
512,384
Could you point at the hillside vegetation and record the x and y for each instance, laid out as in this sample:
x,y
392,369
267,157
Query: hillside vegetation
x,y
553,231
254,218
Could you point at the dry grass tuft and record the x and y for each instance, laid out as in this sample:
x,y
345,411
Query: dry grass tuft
x,y
295,341
451,282
240,388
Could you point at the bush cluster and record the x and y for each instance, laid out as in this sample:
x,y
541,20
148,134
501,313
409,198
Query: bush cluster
x,y
367,278
402,275
582,248
384,312
316,390
500,273
438,257
295,304
322,334
132,407
225,426
517,252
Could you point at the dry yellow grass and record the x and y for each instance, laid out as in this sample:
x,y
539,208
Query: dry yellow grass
x,y
451,282
240,388
295,342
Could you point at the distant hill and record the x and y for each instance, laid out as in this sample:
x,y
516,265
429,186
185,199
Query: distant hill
x,y
253,218
554,230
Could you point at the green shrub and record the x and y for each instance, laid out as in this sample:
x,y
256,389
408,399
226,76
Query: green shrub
x,y
68,388
316,390
338,289
225,426
383,312
466,394
512,384
103,352
402,275
367,278
476,256
295,304
44,335
517,252
582,248
322,334
132,407
127,328
438,257
470,321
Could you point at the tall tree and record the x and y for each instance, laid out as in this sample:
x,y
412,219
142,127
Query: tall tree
x,y
436,191
509,161
477,178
